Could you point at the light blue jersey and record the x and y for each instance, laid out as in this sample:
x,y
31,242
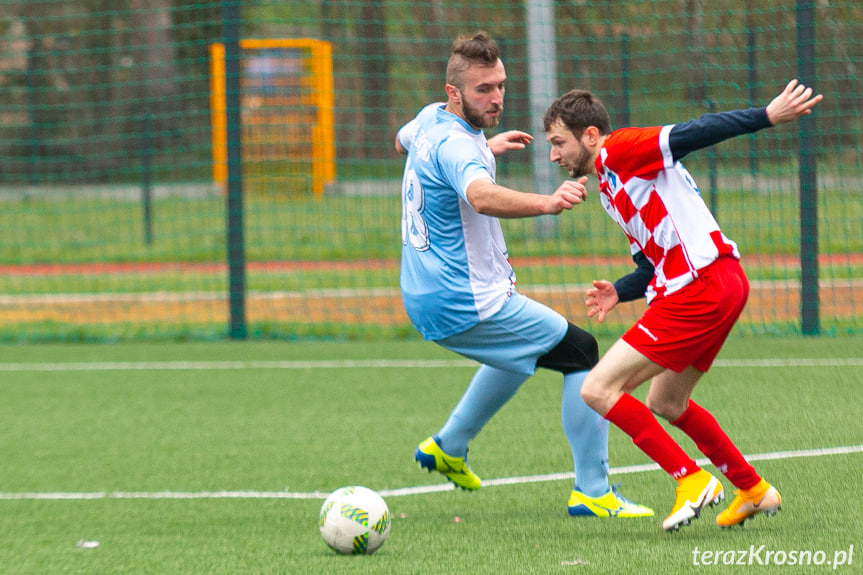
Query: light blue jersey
x,y
454,268
458,289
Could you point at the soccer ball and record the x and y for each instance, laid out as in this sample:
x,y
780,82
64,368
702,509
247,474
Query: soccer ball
x,y
355,521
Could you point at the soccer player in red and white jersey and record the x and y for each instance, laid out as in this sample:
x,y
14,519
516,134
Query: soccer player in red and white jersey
x,y
691,275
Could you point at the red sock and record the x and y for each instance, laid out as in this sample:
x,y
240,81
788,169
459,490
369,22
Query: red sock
x,y
638,422
701,426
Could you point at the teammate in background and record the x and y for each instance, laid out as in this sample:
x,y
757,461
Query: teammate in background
x,y
690,273
459,289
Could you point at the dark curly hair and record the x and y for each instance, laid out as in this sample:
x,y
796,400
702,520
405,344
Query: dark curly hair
x,y
578,110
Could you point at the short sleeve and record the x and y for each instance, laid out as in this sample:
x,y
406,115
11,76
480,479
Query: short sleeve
x,y
461,164
407,133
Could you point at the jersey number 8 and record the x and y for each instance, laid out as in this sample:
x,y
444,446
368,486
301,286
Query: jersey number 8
x,y
414,228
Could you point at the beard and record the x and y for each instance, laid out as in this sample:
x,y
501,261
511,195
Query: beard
x,y
581,166
477,118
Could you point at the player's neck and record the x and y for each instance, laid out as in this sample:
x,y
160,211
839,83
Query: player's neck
x,y
455,111
600,143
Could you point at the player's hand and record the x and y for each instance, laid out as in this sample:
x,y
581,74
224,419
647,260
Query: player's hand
x,y
796,100
506,141
570,193
601,298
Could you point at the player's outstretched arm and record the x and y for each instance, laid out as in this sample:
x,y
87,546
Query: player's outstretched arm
x,y
510,140
796,100
491,199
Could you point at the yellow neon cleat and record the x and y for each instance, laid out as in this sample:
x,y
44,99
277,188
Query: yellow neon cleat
x,y
430,456
763,498
694,492
612,504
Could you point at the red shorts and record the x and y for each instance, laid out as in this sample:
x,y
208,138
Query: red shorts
x,y
689,326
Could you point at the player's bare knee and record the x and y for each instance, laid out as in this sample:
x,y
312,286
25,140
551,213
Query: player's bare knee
x,y
665,408
593,391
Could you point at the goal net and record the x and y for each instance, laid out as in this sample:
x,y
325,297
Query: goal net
x,y
286,102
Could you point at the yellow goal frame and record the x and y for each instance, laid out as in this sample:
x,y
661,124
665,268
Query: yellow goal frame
x,y
323,131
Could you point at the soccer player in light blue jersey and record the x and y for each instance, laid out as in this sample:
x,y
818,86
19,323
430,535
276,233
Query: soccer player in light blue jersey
x,y
459,288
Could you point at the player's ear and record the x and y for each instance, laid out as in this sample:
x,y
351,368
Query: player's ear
x,y
453,94
591,134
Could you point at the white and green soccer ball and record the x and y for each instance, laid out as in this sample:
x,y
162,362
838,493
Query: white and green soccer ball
x,y
355,521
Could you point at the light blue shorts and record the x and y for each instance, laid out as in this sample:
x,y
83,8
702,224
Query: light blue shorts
x,y
514,338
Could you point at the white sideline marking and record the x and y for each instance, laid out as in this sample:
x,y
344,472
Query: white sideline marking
x,y
227,365
362,364
175,297
837,362
402,491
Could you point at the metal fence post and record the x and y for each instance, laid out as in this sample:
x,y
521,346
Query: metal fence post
x,y
809,307
235,240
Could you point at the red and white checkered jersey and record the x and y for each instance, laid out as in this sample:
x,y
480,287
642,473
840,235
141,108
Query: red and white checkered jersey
x,y
658,206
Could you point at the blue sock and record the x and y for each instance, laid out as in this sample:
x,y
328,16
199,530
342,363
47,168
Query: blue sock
x,y
488,391
587,432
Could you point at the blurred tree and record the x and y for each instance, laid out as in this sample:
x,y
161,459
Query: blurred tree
x,y
694,35
374,65
93,69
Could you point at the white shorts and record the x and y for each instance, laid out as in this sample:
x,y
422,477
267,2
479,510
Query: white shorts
x,y
514,338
